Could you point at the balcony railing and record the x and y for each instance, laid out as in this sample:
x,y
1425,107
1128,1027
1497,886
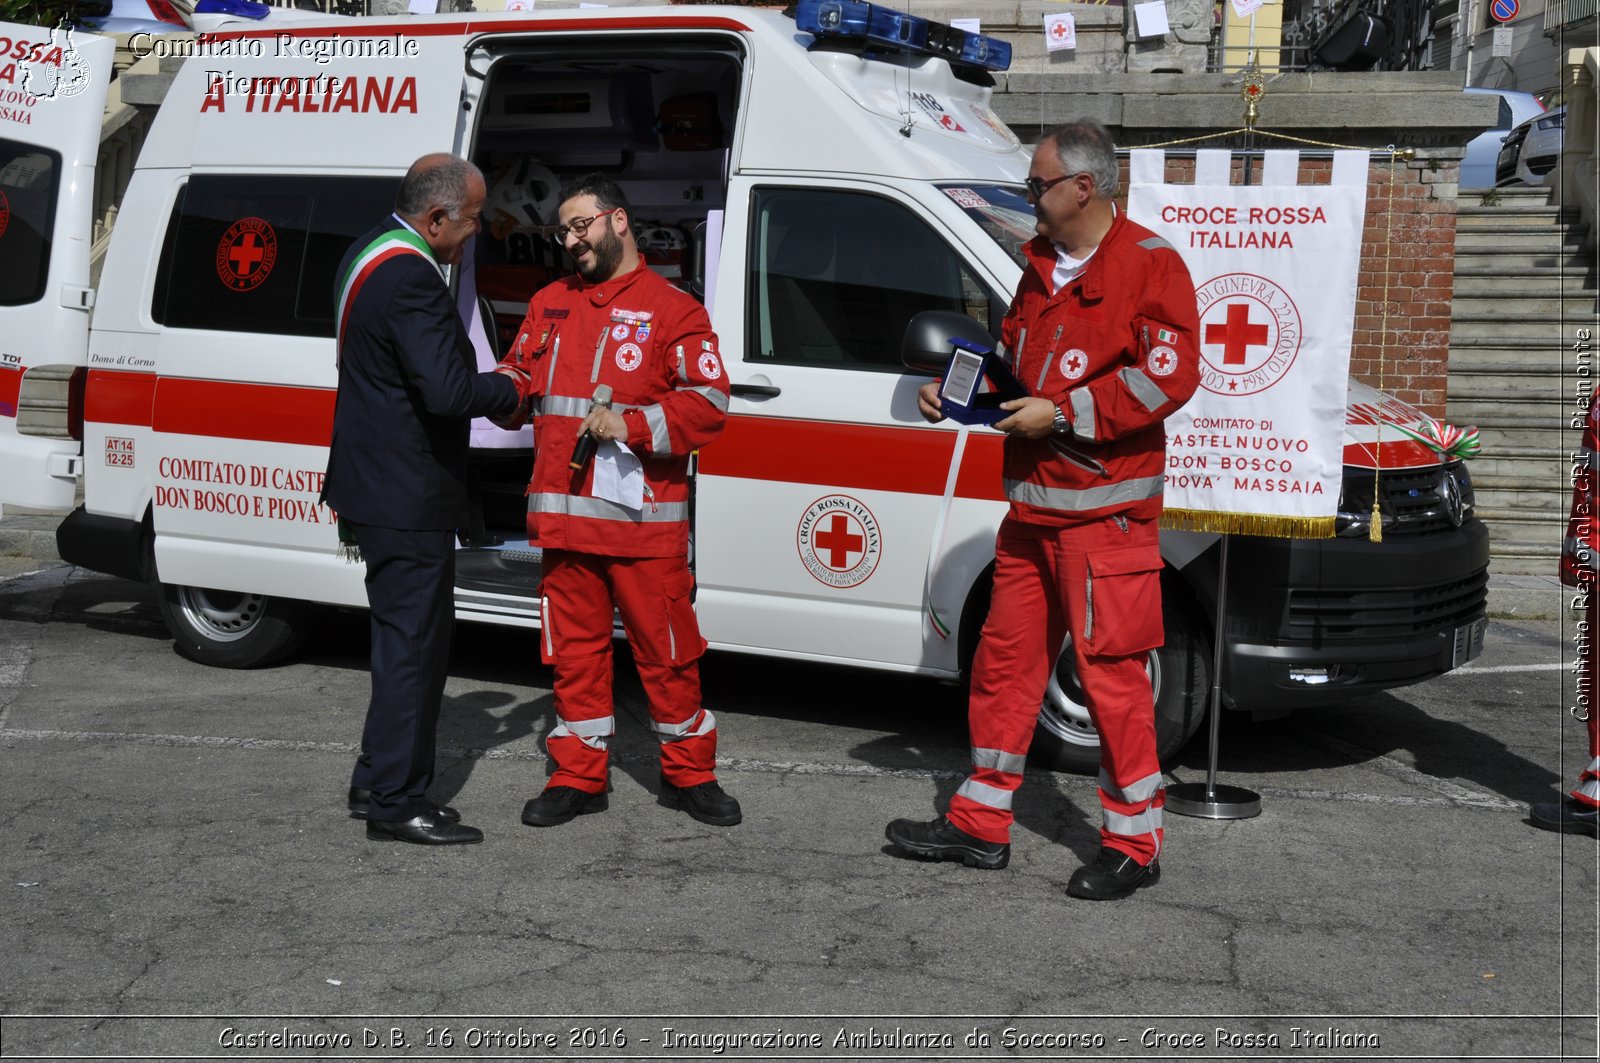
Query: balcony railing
x,y
1558,13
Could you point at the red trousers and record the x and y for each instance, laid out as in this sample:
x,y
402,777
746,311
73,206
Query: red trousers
x,y
1588,790
1100,583
653,596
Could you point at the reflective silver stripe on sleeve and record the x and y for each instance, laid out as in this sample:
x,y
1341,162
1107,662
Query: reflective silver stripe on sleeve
x,y
1091,498
599,352
1144,389
683,368
999,760
550,375
1082,413
592,733
695,726
1146,822
601,509
660,442
985,794
1154,243
1135,792
711,395
544,626
1578,552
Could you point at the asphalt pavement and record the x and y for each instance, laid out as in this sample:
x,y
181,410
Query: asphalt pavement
x,y
182,880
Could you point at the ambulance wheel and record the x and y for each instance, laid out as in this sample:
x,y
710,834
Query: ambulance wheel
x,y
229,629
1179,672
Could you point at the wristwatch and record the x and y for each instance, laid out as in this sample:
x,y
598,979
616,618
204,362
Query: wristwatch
x,y
1059,424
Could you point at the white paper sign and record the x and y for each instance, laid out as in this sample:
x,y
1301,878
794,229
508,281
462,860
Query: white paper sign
x,y
1246,8
1060,31
1260,447
1501,46
618,476
1151,18
423,7
971,25
519,5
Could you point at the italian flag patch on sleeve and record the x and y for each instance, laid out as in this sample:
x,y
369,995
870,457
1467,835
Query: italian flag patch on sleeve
x,y
1165,336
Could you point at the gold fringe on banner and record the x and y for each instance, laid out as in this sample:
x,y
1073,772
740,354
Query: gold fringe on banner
x,y
1207,520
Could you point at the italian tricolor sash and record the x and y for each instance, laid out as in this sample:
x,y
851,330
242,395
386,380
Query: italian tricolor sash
x,y
385,247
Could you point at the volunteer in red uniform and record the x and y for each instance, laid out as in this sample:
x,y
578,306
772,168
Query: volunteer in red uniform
x,y
1103,328
1580,563
616,323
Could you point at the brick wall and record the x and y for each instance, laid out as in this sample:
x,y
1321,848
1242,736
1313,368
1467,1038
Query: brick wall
x,y
1411,238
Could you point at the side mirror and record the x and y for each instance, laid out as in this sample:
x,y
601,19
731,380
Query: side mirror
x,y
925,348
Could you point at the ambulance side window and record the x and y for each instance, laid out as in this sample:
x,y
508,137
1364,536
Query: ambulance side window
x,y
835,276
28,178
253,253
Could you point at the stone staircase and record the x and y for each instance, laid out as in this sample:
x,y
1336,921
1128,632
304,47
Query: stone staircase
x,y
1525,284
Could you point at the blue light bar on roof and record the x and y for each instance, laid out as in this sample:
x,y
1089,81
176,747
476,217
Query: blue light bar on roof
x,y
857,20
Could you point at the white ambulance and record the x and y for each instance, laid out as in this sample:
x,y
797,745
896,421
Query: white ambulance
x,y
816,179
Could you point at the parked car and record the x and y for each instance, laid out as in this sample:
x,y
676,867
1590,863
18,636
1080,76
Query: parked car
x,y
1478,165
1531,150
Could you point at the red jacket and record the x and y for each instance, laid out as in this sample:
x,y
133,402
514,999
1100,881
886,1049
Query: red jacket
x,y
1116,349
654,346
1580,554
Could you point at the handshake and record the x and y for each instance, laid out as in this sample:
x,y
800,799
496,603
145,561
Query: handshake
x,y
518,416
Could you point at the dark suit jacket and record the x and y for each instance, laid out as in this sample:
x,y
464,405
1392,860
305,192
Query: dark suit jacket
x,y
408,390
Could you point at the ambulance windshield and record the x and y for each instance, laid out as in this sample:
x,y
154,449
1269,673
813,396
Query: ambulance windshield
x,y
1001,211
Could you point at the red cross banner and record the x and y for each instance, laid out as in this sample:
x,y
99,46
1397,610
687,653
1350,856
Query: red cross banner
x,y
1259,449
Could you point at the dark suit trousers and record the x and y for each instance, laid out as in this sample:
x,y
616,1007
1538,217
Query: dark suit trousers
x,y
410,580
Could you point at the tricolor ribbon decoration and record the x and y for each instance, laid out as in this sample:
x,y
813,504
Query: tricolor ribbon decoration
x,y
1448,440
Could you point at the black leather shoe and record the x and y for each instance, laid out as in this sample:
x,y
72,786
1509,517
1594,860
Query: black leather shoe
x,y
558,804
1113,874
358,799
706,802
427,829
1566,817
943,840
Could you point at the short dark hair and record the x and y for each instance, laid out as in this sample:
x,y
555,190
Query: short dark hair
x,y
1085,146
435,181
608,195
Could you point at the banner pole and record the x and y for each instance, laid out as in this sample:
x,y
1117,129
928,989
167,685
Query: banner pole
x,y
1210,801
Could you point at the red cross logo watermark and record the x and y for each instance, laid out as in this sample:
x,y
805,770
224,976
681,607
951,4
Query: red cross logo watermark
x,y
1250,334
839,541
246,254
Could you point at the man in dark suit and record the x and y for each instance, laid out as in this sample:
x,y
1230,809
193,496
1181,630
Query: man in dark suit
x,y
397,471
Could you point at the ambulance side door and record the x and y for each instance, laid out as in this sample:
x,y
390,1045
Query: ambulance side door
x,y
54,86
817,508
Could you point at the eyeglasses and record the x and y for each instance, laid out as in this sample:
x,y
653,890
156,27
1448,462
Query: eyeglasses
x,y
1038,186
578,226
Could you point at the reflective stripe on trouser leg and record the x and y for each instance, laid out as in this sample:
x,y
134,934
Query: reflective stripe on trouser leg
x,y
1021,638
577,644
654,595
1118,692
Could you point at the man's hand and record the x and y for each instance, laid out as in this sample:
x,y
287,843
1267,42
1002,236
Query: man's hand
x,y
604,424
928,403
1031,418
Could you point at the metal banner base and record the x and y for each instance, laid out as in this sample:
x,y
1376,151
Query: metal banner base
x,y
1213,802
1208,800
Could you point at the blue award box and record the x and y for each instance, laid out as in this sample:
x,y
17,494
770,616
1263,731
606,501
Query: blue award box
x,y
976,382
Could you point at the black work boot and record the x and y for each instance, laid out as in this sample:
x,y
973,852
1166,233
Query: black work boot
x,y
558,804
1113,874
1566,817
943,840
706,802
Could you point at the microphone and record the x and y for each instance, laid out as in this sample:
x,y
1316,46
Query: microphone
x,y
584,451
